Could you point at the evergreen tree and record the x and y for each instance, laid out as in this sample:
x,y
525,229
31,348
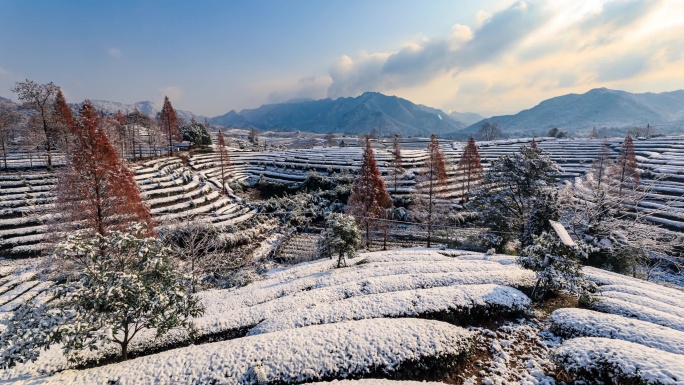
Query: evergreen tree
x,y
95,191
469,167
196,133
341,237
625,168
557,266
126,284
168,121
224,160
369,198
509,191
547,207
430,187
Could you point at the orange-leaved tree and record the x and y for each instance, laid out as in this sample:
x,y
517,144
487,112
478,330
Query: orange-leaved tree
x,y
430,187
96,192
369,199
469,167
625,168
168,122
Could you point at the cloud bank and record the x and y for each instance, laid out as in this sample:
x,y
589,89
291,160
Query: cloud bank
x,y
516,56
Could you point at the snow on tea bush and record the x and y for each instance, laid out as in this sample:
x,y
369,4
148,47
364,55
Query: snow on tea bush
x,y
349,350
593,359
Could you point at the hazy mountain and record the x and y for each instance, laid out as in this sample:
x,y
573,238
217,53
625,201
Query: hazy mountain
x,y
146,107
467,118
600,108
362,114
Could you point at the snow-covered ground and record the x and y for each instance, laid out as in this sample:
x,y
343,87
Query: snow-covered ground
x,y
314,322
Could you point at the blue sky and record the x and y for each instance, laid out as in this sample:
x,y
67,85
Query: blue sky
x,y
211,56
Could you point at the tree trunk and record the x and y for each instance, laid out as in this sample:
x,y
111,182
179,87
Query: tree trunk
x,y
4,154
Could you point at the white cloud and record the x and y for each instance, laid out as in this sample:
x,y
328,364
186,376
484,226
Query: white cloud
x,y
173,92
114,52
312,87
3,71
515,57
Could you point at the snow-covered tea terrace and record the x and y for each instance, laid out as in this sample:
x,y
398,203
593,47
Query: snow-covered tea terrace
x,y
411,314
176,191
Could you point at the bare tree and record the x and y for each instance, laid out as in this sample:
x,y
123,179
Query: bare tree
x,y
397,167
470,167
194,242
8,121
40,98
489,131
330,139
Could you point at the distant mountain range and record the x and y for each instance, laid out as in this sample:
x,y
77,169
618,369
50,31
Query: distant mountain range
x,y
371,111
612,111
466,118
146,107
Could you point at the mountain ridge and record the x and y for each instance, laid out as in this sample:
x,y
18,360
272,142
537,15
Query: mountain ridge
x,y
601,108
370,111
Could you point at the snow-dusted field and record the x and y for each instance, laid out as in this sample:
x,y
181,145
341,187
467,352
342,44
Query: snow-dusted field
x,y
635,332
314,322
296,303
175,191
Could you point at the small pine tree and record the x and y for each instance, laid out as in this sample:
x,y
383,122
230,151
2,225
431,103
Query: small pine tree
x,y
224,160
601,165
96,191
168,121
625,169
558,266
341,237
469,166
127,284
369,198
547,207
430,187
510,190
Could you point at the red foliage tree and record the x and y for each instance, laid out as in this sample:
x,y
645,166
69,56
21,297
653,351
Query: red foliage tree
x,y
626,173
168,121
430,187
63,121
369,198
96,192
224,160
469,166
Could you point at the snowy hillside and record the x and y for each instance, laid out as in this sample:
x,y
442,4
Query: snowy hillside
x,y
368,112
146,107
600,108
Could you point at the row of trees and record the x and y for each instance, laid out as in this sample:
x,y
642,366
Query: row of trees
x,y
135,134
115,276
370,203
